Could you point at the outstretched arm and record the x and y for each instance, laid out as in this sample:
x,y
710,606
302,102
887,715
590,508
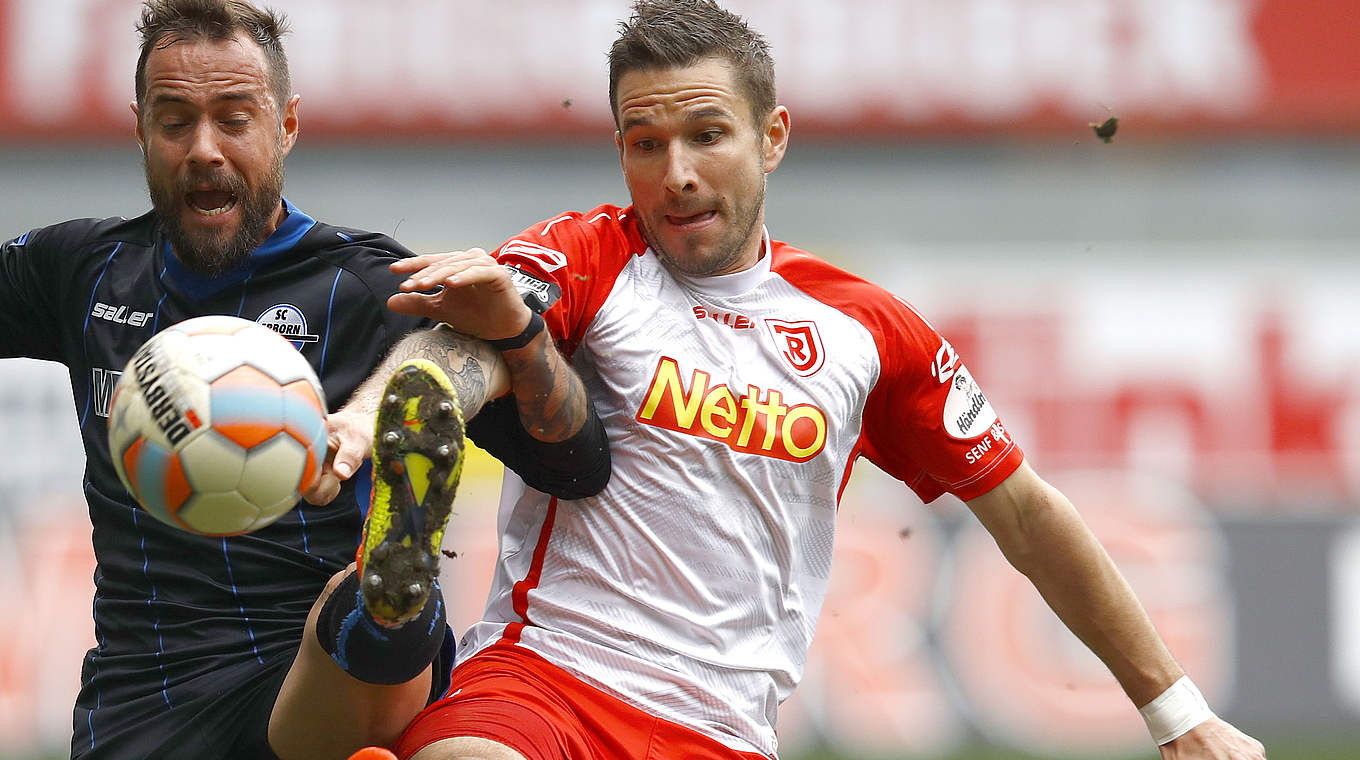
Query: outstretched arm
x,y
555,441
1044,537
475,296
477,371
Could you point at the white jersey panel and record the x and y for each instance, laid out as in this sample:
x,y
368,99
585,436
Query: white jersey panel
x,y
693,591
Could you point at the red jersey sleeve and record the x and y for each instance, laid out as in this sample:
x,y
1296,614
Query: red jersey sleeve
x,y
926,420
565,267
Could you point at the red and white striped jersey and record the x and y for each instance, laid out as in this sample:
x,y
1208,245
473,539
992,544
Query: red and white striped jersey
x,y
736,405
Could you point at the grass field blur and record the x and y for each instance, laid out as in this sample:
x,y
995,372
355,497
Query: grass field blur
x,y
1327,748
1296,747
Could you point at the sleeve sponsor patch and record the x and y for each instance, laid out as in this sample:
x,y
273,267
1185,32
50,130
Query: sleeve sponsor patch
x,y
538,294
967,412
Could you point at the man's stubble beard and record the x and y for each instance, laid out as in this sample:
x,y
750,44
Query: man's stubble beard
x,y
209,255
729,249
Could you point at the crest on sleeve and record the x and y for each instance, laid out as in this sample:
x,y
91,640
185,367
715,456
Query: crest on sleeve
x,y
537,294
546,258
946,359
800,344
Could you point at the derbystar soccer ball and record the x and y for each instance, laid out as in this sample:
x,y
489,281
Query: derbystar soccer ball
x,y
217,425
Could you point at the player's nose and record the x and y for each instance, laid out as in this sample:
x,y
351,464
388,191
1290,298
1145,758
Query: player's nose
x,y
681,177
205,148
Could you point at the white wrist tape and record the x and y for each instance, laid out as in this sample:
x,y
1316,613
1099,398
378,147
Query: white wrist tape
x,y
1180,708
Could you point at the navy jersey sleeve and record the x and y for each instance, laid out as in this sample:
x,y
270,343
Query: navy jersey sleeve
x,y
360,327
30,285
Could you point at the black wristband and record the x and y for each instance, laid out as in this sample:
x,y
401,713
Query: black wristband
x,y
530,332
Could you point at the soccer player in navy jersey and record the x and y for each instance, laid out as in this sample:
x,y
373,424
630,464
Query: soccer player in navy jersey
x,y
269,644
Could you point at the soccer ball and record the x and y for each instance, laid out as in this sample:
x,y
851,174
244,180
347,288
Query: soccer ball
x,y
217,425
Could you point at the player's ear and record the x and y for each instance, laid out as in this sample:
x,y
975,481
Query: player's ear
x,y
776,137
137,130
290,122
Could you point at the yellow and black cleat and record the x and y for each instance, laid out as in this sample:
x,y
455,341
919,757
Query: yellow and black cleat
x,y
417,460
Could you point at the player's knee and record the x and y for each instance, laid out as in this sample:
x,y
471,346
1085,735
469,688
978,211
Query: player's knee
x,y
335,581
467,748
331,585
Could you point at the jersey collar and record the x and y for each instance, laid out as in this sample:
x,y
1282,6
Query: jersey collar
x,y
279,244
736,283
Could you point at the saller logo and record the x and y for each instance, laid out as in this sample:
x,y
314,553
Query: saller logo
x,y
160,394
120,315
743,423
800,343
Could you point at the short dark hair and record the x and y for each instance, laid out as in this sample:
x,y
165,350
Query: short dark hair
x,y
166,22
663,34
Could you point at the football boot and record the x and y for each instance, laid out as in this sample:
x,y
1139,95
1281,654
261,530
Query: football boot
x,y
417,460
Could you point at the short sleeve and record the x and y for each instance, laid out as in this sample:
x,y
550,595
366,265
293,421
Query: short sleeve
x,y
565,267
927,420
29,282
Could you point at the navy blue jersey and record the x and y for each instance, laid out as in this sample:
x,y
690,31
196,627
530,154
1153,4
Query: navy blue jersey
x,y
195,633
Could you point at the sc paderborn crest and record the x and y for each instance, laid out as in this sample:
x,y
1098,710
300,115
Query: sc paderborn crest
x,y
289,321
800,344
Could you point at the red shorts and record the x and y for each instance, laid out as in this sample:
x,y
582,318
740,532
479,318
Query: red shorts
x,y
510,695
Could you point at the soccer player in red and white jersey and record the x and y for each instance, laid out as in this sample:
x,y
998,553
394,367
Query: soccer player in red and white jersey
x,y
739,379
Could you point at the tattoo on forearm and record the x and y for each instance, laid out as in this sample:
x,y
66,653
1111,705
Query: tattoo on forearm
x,y
465,360
551,399
469,363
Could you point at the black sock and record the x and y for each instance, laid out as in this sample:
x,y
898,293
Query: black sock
x,y
372,652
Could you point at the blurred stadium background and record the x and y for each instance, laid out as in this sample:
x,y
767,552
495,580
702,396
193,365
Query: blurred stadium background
x,y
1167,323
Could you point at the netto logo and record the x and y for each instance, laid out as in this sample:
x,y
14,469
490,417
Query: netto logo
x,y
743,423
289,321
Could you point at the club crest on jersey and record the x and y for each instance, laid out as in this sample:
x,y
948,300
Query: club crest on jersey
x,y
756,422
289,321
537,294
800,343
546,258
946,359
